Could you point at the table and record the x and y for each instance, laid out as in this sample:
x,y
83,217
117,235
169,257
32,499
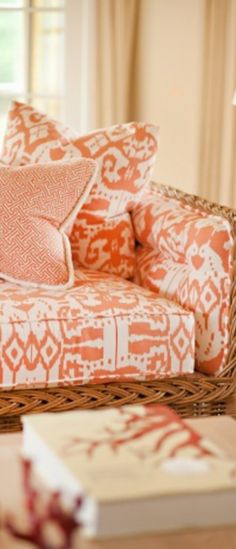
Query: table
x,y
221,430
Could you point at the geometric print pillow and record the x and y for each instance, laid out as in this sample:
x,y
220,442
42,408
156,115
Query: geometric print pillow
x,y
37,203
125,153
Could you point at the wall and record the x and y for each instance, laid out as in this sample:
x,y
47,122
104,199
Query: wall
x,y
169,85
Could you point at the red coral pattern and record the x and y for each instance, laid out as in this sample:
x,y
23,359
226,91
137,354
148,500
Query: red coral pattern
x,y
170,434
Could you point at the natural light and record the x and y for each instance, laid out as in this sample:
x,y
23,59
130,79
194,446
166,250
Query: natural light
x,y
31,55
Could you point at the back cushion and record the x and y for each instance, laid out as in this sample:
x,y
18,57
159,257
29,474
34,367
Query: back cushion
x,y
125,154
107,246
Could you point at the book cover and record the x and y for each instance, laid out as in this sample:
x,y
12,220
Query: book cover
x,y
126,454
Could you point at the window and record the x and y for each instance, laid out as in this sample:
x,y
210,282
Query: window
x,y
32,40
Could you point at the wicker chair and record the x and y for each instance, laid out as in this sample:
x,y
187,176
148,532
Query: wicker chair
x,y
191,395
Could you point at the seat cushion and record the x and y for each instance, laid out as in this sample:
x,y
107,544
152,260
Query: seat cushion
x,y
102,329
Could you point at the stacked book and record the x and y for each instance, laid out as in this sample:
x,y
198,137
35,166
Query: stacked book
x,y
139,468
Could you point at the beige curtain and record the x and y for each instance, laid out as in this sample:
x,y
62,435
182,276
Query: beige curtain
x,y
116,35
217,160
170,62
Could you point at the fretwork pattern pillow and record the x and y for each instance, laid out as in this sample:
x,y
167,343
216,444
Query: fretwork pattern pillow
x,y
125,153
37,203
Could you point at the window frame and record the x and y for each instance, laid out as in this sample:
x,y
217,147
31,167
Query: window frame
x,y
6,90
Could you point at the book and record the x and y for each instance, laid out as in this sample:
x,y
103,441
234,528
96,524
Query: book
x,y
139,468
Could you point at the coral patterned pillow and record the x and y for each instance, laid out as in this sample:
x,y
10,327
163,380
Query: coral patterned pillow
x,y
104,245
36,204
125,153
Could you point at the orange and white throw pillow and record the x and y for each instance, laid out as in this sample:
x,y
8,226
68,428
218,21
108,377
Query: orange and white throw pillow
x,y
37,203
125,153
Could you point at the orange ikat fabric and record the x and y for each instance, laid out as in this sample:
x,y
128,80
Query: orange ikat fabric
x,y
36,205
102,329
104,245
186,256
125,153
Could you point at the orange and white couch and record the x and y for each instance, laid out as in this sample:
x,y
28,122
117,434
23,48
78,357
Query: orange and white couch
x,y
152,279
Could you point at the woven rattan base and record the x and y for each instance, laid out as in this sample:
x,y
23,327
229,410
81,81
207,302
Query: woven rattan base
x,y
193,395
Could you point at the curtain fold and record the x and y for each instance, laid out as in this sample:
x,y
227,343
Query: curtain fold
x,y
116,36
217,160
